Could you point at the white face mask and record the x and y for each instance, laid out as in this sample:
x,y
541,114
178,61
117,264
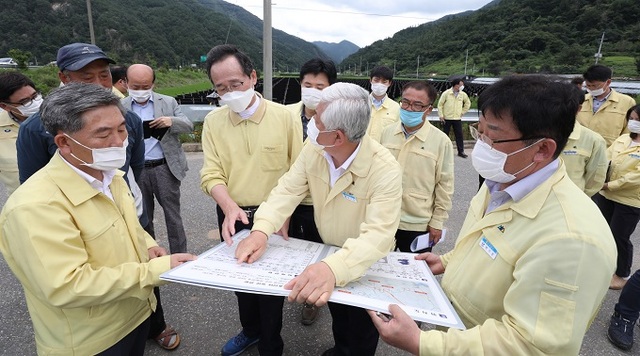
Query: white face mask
x,y
140,96
489,163
461,88
28,110
379,89
105,159
634,126
313,132
311,97
596,92
237,101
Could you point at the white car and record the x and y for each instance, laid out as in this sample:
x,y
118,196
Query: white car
x,y
8,63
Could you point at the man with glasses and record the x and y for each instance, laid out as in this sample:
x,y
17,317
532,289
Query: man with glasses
x,y
426,156
604,109
248,144
19,99
453,104
534,257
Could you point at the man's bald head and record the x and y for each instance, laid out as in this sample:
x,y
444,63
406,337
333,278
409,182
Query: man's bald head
x,y
140,72
140,79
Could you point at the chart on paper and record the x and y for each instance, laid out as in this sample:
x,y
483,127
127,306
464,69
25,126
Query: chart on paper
x,y
397,278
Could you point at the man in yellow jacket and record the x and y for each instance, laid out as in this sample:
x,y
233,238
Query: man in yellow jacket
x,y
356,187
534,257
71,234
426,156
248,144
585,155
384,110
315,75
453,104
604,109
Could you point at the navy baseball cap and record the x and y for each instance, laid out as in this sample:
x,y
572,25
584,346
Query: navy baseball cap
x,y
75,56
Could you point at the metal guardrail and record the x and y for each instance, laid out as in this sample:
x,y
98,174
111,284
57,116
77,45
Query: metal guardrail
x,y
196,113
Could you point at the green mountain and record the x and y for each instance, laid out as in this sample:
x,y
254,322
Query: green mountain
x,y
159,32
525,36
337,51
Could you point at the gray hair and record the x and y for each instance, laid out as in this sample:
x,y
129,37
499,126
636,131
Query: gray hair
x,y
63,108
347,108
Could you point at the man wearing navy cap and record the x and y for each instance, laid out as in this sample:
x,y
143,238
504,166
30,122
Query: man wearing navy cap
x,y
87,63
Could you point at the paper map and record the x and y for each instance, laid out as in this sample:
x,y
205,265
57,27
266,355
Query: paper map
x,y
396,279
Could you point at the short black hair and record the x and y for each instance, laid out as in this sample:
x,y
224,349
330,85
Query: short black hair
x,y
221,52
422,85
382,72
118,73
11,81
455,81
538,106
578,96
318,65
577,80
598,73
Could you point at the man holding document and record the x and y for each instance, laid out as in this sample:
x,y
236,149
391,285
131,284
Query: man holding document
x,y
71,235
356,188
534,257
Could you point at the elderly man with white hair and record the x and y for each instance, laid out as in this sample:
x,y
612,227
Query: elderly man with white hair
x,y
356,188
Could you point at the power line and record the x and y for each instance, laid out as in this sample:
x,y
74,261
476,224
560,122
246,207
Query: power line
x,y
342,12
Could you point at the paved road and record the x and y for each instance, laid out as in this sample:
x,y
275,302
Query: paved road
x,y
206,318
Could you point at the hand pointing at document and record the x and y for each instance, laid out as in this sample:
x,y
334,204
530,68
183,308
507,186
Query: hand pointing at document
x,y
252,247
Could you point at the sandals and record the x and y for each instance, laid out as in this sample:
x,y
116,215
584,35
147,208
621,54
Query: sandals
x,y
168,338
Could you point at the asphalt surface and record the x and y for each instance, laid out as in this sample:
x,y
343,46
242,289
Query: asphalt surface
x,y
206,318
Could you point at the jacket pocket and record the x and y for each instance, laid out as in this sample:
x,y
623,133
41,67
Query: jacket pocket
x,y
273,158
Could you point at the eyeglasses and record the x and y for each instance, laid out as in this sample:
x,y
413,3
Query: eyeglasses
x,y
25,101
222,90
482,137
415,106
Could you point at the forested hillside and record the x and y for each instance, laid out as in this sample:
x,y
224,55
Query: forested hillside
x,y
161,32
525,36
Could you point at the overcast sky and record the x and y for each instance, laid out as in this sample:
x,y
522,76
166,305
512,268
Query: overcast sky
x,y
359,21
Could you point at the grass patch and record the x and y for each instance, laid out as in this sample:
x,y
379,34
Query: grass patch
x,y
185,89
195,136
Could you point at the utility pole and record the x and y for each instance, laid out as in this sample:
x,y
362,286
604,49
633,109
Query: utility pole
x,y
267,54
360,67
465,62
93,37
418,66
599,54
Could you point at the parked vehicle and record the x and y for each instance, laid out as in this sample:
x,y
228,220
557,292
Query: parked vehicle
x,y
8,63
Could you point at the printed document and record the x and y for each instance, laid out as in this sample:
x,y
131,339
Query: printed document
x,y
396,279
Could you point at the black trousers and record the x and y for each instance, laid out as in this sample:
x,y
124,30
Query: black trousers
x,y
353,331
622,221
131,345
457,132
157,324
303,224
260,315
404,238
629,302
